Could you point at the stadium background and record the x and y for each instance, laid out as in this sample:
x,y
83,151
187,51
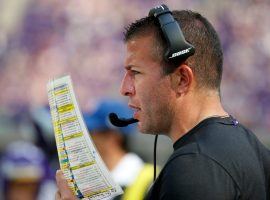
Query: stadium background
x,y
42,39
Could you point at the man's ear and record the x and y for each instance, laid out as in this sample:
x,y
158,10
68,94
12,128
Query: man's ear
x,y
182,79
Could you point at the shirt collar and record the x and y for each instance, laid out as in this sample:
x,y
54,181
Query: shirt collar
x,y
229,120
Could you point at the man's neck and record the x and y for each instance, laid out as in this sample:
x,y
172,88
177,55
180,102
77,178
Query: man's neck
x,y
194,110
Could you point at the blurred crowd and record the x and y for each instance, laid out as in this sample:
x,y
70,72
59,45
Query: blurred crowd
x,y
45,39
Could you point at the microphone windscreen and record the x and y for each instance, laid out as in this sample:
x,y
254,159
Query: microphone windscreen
x,y
120,122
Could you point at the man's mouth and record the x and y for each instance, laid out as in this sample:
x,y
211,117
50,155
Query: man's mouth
x,y
136,111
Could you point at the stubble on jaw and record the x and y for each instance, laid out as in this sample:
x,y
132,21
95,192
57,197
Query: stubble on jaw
x,y
159,113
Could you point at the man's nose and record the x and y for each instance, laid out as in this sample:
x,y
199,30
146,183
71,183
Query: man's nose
x,y
127,86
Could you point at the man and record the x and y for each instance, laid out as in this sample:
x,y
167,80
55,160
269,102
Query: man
x,y
214,157
127,169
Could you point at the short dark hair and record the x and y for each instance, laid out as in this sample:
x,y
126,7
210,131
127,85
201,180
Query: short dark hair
x,y
207,61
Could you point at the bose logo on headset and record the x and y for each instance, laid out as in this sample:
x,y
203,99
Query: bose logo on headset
x,y
179,53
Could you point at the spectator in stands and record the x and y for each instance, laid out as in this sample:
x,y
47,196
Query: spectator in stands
x,y
25,173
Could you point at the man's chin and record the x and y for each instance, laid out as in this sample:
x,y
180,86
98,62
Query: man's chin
x,y
145,130
141,128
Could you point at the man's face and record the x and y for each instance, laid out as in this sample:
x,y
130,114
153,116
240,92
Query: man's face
x,y
149,91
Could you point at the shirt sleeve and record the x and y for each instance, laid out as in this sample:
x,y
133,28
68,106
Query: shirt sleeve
x,y
195,177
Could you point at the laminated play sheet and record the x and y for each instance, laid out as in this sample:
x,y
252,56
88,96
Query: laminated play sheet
x,y
87,175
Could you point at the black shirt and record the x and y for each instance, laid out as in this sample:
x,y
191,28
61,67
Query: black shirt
x,y
218,159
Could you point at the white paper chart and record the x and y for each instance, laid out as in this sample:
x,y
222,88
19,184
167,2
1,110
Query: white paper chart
x,y
87,175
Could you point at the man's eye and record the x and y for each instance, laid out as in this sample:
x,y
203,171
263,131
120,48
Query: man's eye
x,y
134,72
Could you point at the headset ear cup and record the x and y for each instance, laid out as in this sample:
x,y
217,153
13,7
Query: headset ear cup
x,y
177,47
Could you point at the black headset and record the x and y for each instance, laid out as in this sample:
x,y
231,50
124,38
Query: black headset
x,y
178,47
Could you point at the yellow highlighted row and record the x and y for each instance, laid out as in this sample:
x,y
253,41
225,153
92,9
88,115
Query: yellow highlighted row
x,y
64,121
62,91
66,108
64,166
83,165
75,135
63,157
97,192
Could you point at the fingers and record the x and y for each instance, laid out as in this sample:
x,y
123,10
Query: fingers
x,y
64,192
57,195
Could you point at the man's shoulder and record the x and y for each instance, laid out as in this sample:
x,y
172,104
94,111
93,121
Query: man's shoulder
x,y
231,152
190,175
219,161
226,144
218,134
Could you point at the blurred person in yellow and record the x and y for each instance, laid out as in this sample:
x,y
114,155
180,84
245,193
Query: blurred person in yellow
x,y
25,173
127,168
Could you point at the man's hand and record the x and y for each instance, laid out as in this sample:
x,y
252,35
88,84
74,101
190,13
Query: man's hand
x,y
63,192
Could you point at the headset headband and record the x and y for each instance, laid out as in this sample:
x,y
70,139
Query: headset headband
x,y
178,47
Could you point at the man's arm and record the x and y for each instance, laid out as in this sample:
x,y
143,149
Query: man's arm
x,y
63,192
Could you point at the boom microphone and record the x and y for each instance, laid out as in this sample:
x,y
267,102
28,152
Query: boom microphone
x,y
121,122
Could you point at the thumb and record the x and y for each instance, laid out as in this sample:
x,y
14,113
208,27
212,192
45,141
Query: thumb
x,y
63,188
